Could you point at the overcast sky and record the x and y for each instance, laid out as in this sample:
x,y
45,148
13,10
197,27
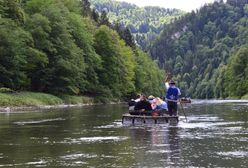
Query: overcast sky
x,y
186,5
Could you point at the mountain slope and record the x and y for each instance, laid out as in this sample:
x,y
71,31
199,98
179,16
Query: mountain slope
x,y
144,23
201,46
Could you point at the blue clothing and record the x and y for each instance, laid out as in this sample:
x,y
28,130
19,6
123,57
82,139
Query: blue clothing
x,y
163,106
172,93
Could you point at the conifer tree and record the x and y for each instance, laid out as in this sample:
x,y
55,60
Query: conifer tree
x,y
85,8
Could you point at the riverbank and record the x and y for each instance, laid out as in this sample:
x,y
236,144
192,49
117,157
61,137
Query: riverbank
x,y
27,101
245,97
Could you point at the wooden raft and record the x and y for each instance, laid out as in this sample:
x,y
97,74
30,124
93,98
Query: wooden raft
x,y
143,119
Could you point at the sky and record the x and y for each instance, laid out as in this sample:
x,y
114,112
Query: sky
x,y
185,5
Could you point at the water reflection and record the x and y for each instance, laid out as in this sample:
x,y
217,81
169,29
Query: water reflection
x,y
156,145
216,135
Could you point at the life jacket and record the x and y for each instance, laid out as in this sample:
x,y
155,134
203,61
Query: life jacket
x,y
172,94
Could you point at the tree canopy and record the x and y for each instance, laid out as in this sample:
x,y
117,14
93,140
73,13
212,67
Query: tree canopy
x,y
62,47
201,46
144,23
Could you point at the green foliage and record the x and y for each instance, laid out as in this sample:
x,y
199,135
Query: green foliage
x,y
15,55
85,8
65,70
58,49
12,9
104,20
69,99
144,23
117,73
85,40
236,74
28,99
1,8
196,48
6,90
38,99
245,97
148,78
125,34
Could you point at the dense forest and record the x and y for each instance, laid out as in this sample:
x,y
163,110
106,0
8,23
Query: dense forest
x,y
207,50
62,46
145,23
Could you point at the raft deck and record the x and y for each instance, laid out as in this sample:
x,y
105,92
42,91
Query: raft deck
x,y
143,119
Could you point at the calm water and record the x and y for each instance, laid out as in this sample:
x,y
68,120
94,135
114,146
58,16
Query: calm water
x,y
216,135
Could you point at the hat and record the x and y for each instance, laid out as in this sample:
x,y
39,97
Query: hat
x,y
172,82
151,97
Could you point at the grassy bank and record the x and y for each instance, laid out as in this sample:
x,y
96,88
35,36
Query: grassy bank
x,y
38,99
245,97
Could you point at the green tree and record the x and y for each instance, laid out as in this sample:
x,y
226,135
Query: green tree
x,y
238,71
12,9
126,67
85,40
1,8
95,15
65,71
17,55
104,19
85,8
105,40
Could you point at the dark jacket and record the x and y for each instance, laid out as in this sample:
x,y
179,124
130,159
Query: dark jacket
x,y
143,105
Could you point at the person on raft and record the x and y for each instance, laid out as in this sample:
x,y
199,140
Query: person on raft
x,y
172,97
143,105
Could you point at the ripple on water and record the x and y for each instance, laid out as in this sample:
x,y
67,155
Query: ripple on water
x,y
203,118
236,154
78,156
190,125
94,139
40,163
157,151
38,121
113,125
75,164
218,101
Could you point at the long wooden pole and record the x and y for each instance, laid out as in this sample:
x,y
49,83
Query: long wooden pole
x,y
183,110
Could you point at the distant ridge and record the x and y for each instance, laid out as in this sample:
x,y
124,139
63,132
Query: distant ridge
x,y
207,50
145,23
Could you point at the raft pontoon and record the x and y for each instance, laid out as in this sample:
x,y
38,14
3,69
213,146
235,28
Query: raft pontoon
x,y
144,119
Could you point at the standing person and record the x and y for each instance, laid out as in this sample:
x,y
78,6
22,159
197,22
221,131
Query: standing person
x,y
172,96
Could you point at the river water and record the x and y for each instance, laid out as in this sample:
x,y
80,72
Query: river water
x,y
215,135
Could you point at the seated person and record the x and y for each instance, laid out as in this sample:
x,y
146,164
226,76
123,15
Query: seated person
x,y
141,107
131,105
143,104
159,105
137,98
151,98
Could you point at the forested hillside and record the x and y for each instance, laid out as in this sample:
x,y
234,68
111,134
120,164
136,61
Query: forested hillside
x,y
207,50
144,23
63,47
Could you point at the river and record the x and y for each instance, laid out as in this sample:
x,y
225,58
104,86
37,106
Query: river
x,y
215,135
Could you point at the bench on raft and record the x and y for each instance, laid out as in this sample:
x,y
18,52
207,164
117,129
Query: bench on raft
x,y
149,117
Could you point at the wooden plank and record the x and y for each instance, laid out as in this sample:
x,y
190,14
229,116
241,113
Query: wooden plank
x,y
138,119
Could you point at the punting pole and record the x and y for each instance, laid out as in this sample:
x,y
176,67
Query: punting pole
x,y
183,110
